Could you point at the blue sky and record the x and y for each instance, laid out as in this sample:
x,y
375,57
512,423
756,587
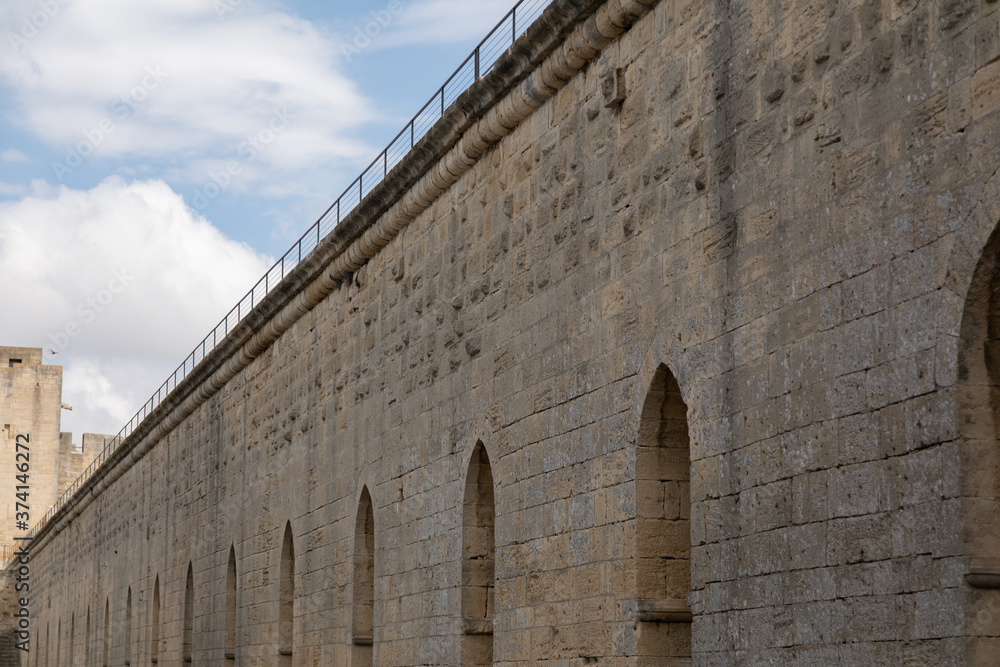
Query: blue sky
x,y
123,239
363,88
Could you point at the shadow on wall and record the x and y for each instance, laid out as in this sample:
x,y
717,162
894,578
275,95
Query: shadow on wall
x,y
9,655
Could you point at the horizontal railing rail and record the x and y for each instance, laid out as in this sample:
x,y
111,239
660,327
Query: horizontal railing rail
x,y
477,65
7,552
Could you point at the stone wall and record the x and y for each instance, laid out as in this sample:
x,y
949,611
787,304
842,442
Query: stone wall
x,y
712,294
73,459
30,405
10,656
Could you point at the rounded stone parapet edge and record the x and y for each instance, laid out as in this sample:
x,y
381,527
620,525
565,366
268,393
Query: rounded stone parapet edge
x,y
569,34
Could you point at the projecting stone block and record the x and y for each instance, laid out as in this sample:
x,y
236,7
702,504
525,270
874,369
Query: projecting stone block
x,y
789,206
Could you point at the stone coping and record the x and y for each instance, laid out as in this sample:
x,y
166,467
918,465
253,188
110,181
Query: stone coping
x,y
568,35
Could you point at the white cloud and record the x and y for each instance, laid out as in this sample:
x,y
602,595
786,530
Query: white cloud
x,y
14,155
169,88
98,407
124,280
420,22
12,189
175,81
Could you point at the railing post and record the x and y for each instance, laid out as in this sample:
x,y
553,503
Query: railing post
x,y
180,373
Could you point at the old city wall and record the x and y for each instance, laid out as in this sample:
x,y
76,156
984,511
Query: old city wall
x,y
74,459
753,255
32,399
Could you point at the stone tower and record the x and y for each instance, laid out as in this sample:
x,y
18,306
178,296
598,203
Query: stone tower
x,y
30,405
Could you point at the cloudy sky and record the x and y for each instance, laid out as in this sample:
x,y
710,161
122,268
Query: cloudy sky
x,y
121,241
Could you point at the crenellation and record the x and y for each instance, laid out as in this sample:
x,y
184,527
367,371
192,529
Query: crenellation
x,y
30,407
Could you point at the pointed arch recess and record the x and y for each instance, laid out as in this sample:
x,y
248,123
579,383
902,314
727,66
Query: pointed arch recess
x,y
478,560
978,399
663,524
286,599
188,635
128,627
363,613
106,644
154,630
230,655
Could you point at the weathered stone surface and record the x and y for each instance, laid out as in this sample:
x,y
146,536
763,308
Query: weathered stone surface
x,y
788,209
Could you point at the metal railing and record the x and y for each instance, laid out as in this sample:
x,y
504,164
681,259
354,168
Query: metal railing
x,y
477,65
7,552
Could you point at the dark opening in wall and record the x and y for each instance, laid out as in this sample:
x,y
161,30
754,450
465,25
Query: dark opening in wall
x,y
231,608
106,646
978,399
663,525
478,565
154,630
286,599
188,636
363,619
128,627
